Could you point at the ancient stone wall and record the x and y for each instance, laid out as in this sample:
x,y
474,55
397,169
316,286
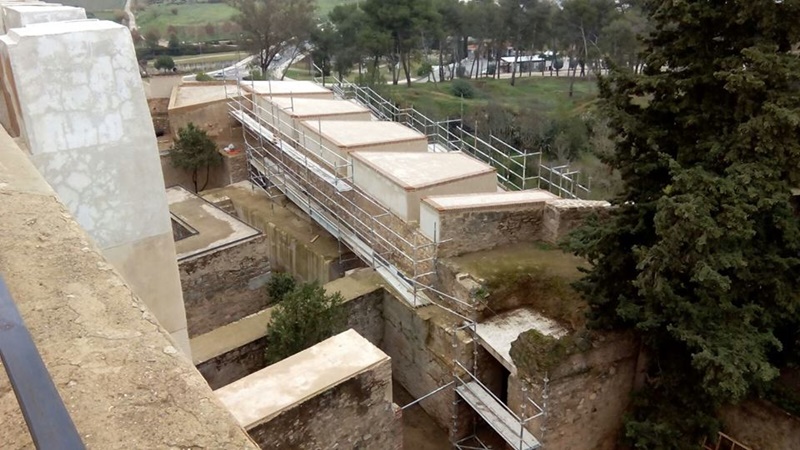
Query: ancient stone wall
x,y
563,216
588,394
225,285
350,415
761,426
421,347
472,230
363,303
235,364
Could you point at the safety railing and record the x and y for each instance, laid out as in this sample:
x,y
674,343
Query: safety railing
x,y
516,169
45,415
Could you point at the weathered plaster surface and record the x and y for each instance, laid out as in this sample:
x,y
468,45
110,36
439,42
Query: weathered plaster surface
x,y
86,123
121,378
17,16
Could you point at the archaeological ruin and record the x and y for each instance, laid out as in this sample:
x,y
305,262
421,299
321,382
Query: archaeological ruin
x,y
148,302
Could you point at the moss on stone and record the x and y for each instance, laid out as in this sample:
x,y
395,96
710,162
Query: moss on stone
x,y
534,353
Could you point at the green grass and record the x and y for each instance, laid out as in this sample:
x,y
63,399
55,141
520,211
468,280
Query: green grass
x,y
326,6
191,20
542,94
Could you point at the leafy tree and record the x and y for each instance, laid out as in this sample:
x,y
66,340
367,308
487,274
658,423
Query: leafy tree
x,y
404,21
273,26
164,62
194,150
306,316
701,253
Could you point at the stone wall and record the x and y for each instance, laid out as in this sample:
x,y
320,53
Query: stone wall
x,y
225,285
476,229
421,347
244,354
98,149
296,244
233,365
587,395
563,216
354,414
761,426
158,112
123,382
213,118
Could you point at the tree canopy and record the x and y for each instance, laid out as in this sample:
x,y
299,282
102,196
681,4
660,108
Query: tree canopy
x,y
701,254
194,150
272,26
304,317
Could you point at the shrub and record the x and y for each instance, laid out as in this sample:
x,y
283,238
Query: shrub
x,y
279,285
462,88
305,317
202,76
461,72
164,62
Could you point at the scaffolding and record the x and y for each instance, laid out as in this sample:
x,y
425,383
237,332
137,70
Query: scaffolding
x,y
516,169
286,161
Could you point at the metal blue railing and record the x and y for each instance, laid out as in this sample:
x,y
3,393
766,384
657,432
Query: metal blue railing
x,y
45,414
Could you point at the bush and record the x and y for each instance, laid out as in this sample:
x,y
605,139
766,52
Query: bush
x,y
462,88
164,62
202,76
279,285
461,72
306,316
491,68
425,69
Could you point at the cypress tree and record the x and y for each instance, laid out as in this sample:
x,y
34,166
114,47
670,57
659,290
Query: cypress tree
x,y
701,254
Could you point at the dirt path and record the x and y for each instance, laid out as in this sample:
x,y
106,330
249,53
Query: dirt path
x,y
420,432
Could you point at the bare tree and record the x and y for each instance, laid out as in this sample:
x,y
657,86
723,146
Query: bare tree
x,y
272,26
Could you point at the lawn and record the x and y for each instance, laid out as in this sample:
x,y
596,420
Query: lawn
x,y
542,94
325,6
191,20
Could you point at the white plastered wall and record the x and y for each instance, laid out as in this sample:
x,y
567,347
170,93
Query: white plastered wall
x,y
87,125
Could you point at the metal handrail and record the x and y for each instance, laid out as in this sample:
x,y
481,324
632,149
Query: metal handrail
x,y
47,418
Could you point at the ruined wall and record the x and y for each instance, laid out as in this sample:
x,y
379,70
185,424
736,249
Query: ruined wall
x,y
476,229
363,303
421,348
211,117
158,112
350,415
587,395
235,364
225,285
563,216
762,426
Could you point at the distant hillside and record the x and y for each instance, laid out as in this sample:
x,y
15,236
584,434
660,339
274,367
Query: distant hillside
x,y
95,5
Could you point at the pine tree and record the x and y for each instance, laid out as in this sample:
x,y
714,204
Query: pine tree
x,y
701,255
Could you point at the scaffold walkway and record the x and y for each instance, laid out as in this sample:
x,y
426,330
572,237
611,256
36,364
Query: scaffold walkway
x,y
399,252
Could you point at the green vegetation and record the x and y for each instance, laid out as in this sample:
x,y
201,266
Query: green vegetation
x,y
305,316
164,62
324,7
191,23
279,285
535,353
194,150
202,76
700,255
209,58
542,95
